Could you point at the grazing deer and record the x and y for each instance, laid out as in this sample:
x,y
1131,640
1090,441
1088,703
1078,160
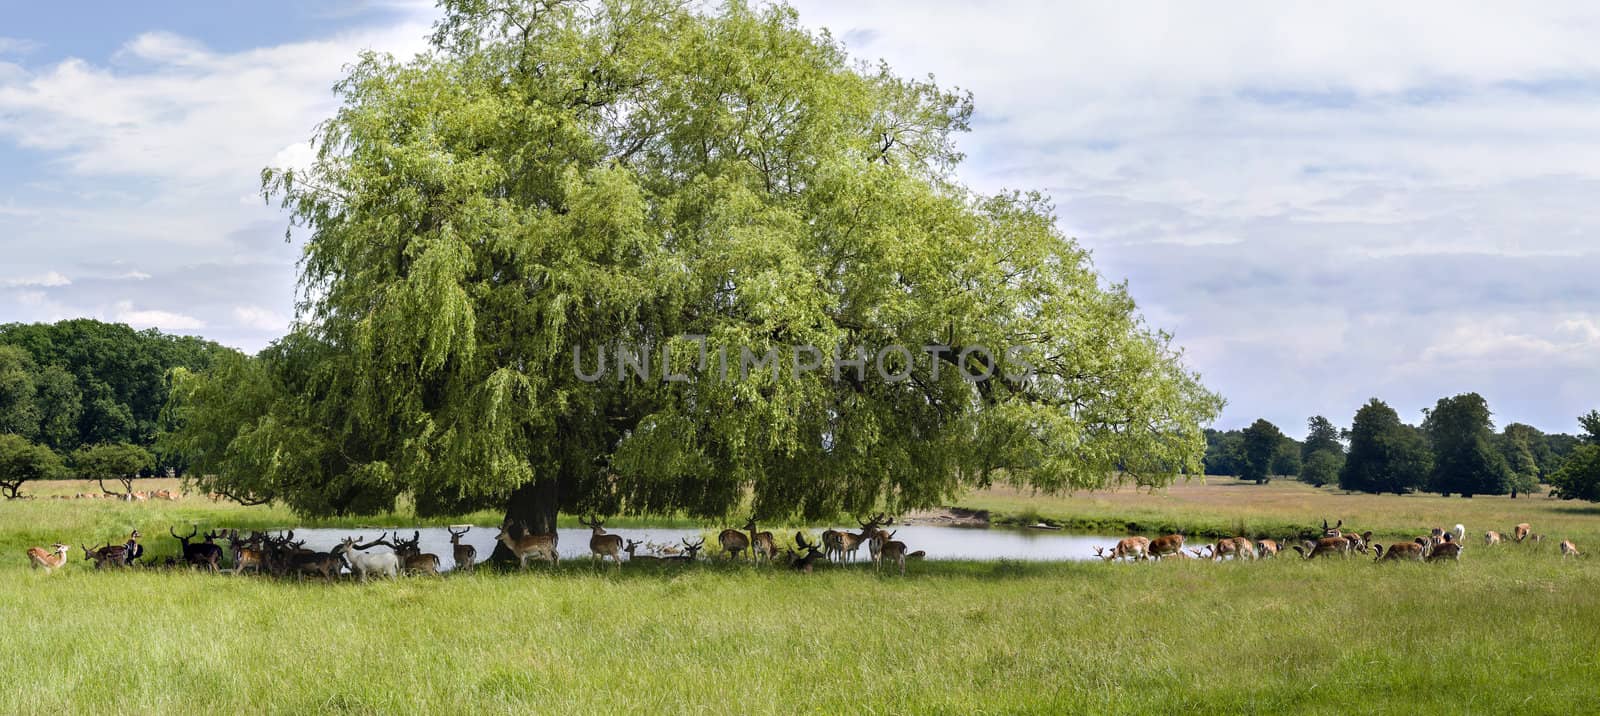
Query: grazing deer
x,y
361,564
634,544
803,562
1446,548
1521,532
1405,550
1103,554
412,559
466,555
527,545
733,541
689,551
603,545
894,551
1491,538
1266,548
1324,547
47,560
1164,546
204,554
1568,549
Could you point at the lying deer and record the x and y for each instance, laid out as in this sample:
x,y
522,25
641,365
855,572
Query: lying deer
x,y
634,544
690,549
46,560
804,562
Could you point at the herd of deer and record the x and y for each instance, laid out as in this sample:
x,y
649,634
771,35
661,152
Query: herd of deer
x,y
1438,545
283,555
136,496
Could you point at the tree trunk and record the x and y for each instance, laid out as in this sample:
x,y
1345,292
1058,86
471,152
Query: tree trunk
x,y
534,506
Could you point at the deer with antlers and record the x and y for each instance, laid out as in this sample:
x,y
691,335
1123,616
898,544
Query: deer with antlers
x,y
850,542
466,555
351,552
602,545
690,549
634,544
48,560
247,553
812,553
524,545
412,559
201,554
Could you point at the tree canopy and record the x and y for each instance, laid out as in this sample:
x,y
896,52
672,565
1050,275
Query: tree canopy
x,y
1579,476
1385,455
1465,460
23,461
557,180
1262,443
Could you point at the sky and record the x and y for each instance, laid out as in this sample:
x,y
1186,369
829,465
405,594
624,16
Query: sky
x,y
1322,202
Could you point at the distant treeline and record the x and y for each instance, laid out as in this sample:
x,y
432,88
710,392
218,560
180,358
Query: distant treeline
x,y
86,389
1455,450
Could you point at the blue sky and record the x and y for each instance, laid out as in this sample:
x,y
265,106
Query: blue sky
x,y
1322,202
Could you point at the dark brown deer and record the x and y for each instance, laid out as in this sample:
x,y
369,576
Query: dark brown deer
x,y
690,549
804,562
201,554
603,545
466,555
1402,551
412,558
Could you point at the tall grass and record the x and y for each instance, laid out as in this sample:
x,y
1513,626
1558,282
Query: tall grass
x,y
1505,630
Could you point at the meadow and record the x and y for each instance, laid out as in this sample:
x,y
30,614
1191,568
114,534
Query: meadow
x,y
1505,629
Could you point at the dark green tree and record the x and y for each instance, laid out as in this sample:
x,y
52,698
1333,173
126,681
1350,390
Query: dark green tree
x,y
1287,460
1321,435
1322,468
1224,452
1385,455
1516,449
1465,461
1262,443
1579,476
115,461
556,179
22,461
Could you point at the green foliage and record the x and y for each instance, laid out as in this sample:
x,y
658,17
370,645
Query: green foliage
x,y
84,382
1516,445
1286,461
1579,477
113,461
555,179
1465,461
1590,422
1385,455
22,461
1263,443
1321,435
1224,452
1322,467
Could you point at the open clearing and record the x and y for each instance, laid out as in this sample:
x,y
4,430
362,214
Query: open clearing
x,y
1506,629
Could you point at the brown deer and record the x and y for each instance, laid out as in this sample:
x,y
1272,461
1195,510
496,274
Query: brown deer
x,y
1521,532
1164,546
603,545
1491,538
1404,550
1446,548
204,554
892,550
832,544
1267,548
412,559
850,542
762,545
48,560
466,555
526,545
247,553
634,544
1568,549
1324,547
733,541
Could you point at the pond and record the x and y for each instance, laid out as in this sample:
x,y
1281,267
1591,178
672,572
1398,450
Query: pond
x,y
965,543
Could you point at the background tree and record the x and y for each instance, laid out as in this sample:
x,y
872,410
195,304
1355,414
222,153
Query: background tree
x,y
1263,442
1224,452
22,461
1320,435
1322,468
1286,462
1516,447
1464,458
117,461
554,178
1385,455
1579,476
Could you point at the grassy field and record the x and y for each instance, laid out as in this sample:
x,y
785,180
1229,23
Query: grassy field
x,y
1504,630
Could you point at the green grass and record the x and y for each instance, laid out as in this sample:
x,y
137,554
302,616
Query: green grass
x,y
1505,630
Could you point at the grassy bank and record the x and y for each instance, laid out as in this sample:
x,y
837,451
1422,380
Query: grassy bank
x,y
1504,630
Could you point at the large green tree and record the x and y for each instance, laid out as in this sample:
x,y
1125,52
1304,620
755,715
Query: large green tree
x,y
1385,455
1579,476
22,461
1320,435
121,462
1465,460
555,181
1262,443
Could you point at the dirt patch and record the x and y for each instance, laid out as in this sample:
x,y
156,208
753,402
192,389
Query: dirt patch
x,y
947,517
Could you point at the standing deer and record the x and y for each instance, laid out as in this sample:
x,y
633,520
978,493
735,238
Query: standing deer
x,y
603,545
1405,550
361,563
466,555
526,545
762,545
1266,548
1164,546
850,542
1568,549
733,541
412,559
1446,548
1491,538
892,550
1324,547
832,544
47,560
204,554
1521,532
247,553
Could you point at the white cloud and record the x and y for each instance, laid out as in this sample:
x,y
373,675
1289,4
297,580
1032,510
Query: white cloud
x,y
134,276
17,46
124,312
261,319
51,279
